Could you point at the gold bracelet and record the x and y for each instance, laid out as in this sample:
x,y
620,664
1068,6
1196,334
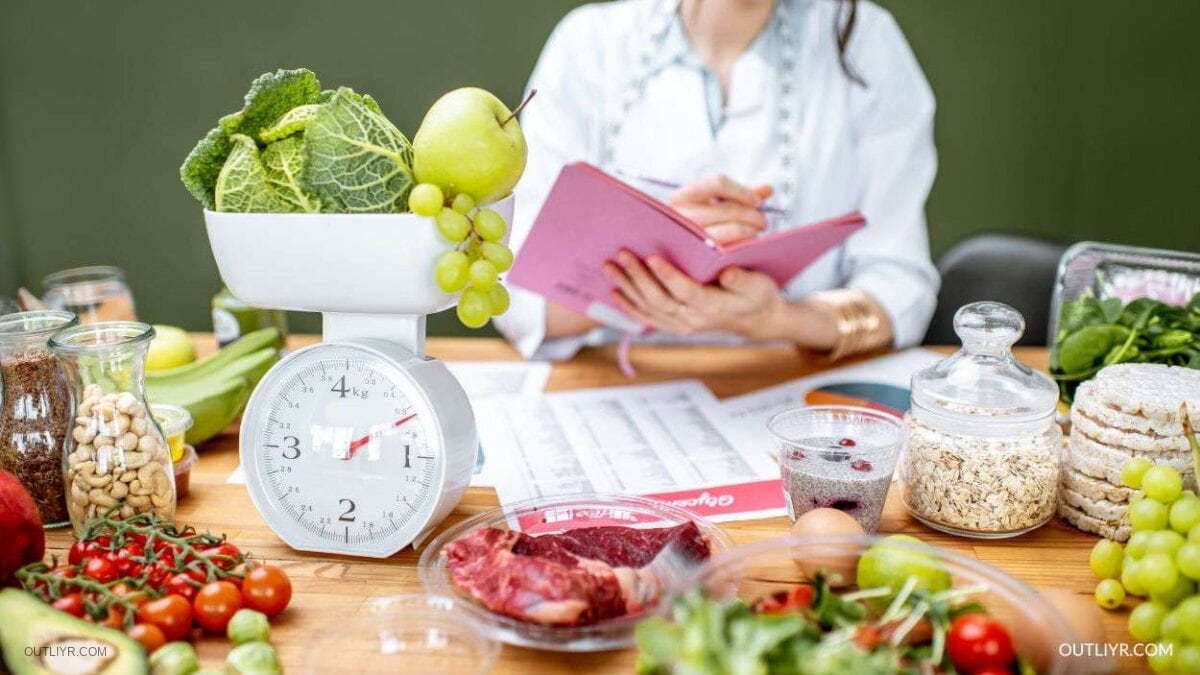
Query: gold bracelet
x,y
861,324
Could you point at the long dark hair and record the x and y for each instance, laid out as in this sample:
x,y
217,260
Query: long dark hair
x,y
843,26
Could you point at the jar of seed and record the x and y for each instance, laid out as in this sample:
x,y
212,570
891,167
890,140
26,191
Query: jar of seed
x,y
117,462
35,408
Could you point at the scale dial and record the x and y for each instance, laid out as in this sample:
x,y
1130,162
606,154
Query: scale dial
x,y
356,447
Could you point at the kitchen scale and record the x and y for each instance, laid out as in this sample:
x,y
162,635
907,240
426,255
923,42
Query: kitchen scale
x,y
360,444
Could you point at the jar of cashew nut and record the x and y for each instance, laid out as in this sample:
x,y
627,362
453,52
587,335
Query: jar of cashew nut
x,y
117,463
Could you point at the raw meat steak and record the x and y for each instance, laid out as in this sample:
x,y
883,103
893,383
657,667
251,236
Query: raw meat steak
x,y
620,546
578,577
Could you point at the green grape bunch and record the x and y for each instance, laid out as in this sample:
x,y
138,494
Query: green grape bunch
x,y
473,267
1160,564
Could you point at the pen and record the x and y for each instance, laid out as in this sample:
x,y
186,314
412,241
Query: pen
x,y
650,180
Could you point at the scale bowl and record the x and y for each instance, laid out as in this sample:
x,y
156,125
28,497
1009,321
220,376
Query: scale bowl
x,y
372,263
550,515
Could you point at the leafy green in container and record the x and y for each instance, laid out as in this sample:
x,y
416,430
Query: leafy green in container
x,y
1096,333
294,148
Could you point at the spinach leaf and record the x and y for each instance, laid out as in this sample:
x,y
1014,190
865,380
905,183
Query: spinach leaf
x,y
1088,346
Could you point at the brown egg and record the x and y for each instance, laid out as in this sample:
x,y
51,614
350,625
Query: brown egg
x,y
1086,622
838,565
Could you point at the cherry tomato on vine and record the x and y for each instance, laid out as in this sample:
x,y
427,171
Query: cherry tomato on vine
x,y
992,670
156,575
223,555
100,569
80,551
976,641
64,572
171,613
126,559
148,634
180,583
216,604
115,618
267,589
71,603
239,573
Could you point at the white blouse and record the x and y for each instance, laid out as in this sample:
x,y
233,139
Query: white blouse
x,y
619,87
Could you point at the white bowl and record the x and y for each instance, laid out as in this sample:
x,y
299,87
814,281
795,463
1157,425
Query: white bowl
x,y
373,263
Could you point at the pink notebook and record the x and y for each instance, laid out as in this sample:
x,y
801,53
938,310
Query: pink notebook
x,y
590,216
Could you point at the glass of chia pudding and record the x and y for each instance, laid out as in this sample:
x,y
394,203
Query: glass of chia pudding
x,y
837,456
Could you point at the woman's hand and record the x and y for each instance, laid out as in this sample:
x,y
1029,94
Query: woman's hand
x,y
726,209
660,296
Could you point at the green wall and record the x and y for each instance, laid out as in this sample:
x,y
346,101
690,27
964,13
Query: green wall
x,y
1072,119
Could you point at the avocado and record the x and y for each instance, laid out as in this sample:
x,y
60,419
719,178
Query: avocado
x,y
36,639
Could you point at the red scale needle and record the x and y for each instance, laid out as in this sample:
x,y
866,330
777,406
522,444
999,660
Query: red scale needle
x,y
367,439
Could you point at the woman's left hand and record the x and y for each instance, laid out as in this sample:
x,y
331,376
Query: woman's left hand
x,y
659,295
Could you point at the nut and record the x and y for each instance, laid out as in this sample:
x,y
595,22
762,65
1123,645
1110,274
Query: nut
x,y
161,501
119,490
135,460
98,481
138,426
126,402
128,441
83,434
126,511
99,497
137,501
147,443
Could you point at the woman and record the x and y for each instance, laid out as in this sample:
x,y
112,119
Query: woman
x,y
770,114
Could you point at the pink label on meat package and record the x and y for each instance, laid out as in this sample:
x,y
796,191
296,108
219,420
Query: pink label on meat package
x,y
762,498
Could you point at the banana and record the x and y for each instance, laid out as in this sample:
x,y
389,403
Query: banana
x,y
207,368
215,390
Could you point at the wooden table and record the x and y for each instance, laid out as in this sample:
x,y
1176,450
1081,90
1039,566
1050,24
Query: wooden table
x,y
327,587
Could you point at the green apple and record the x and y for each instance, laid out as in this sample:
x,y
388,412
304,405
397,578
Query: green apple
x,y
470,142
171,347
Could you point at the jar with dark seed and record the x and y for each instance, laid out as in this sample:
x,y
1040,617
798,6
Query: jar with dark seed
x,y
35,408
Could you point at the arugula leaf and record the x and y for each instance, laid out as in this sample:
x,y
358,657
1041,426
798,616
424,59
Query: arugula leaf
x,y
283,162
356,160
242,185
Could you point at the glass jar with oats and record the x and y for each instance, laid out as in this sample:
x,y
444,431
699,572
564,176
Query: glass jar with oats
x,y
983,452
117,461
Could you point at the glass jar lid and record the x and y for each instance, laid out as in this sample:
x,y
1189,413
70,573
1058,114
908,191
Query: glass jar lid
x,y
982,385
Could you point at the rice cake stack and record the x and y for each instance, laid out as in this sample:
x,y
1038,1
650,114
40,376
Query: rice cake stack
x,y
1127,410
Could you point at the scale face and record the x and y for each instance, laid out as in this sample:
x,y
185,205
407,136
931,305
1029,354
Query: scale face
x,y
356,447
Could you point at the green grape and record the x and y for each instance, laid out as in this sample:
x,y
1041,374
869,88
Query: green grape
x,y
1193,534
1110,594
1145,621
1164,541
426,199
1189,618
1188,560
1162,483
498,297
1130,578
489,225
1105,559
450,271
473,308
498,254
1136,546
1148,514
483,275
1157,572
1184,588
463,203
1170,629
1185,514
1186,658
1133,470
453,225
1161,658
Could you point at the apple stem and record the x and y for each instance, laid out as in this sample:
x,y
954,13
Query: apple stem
x,y
517,111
